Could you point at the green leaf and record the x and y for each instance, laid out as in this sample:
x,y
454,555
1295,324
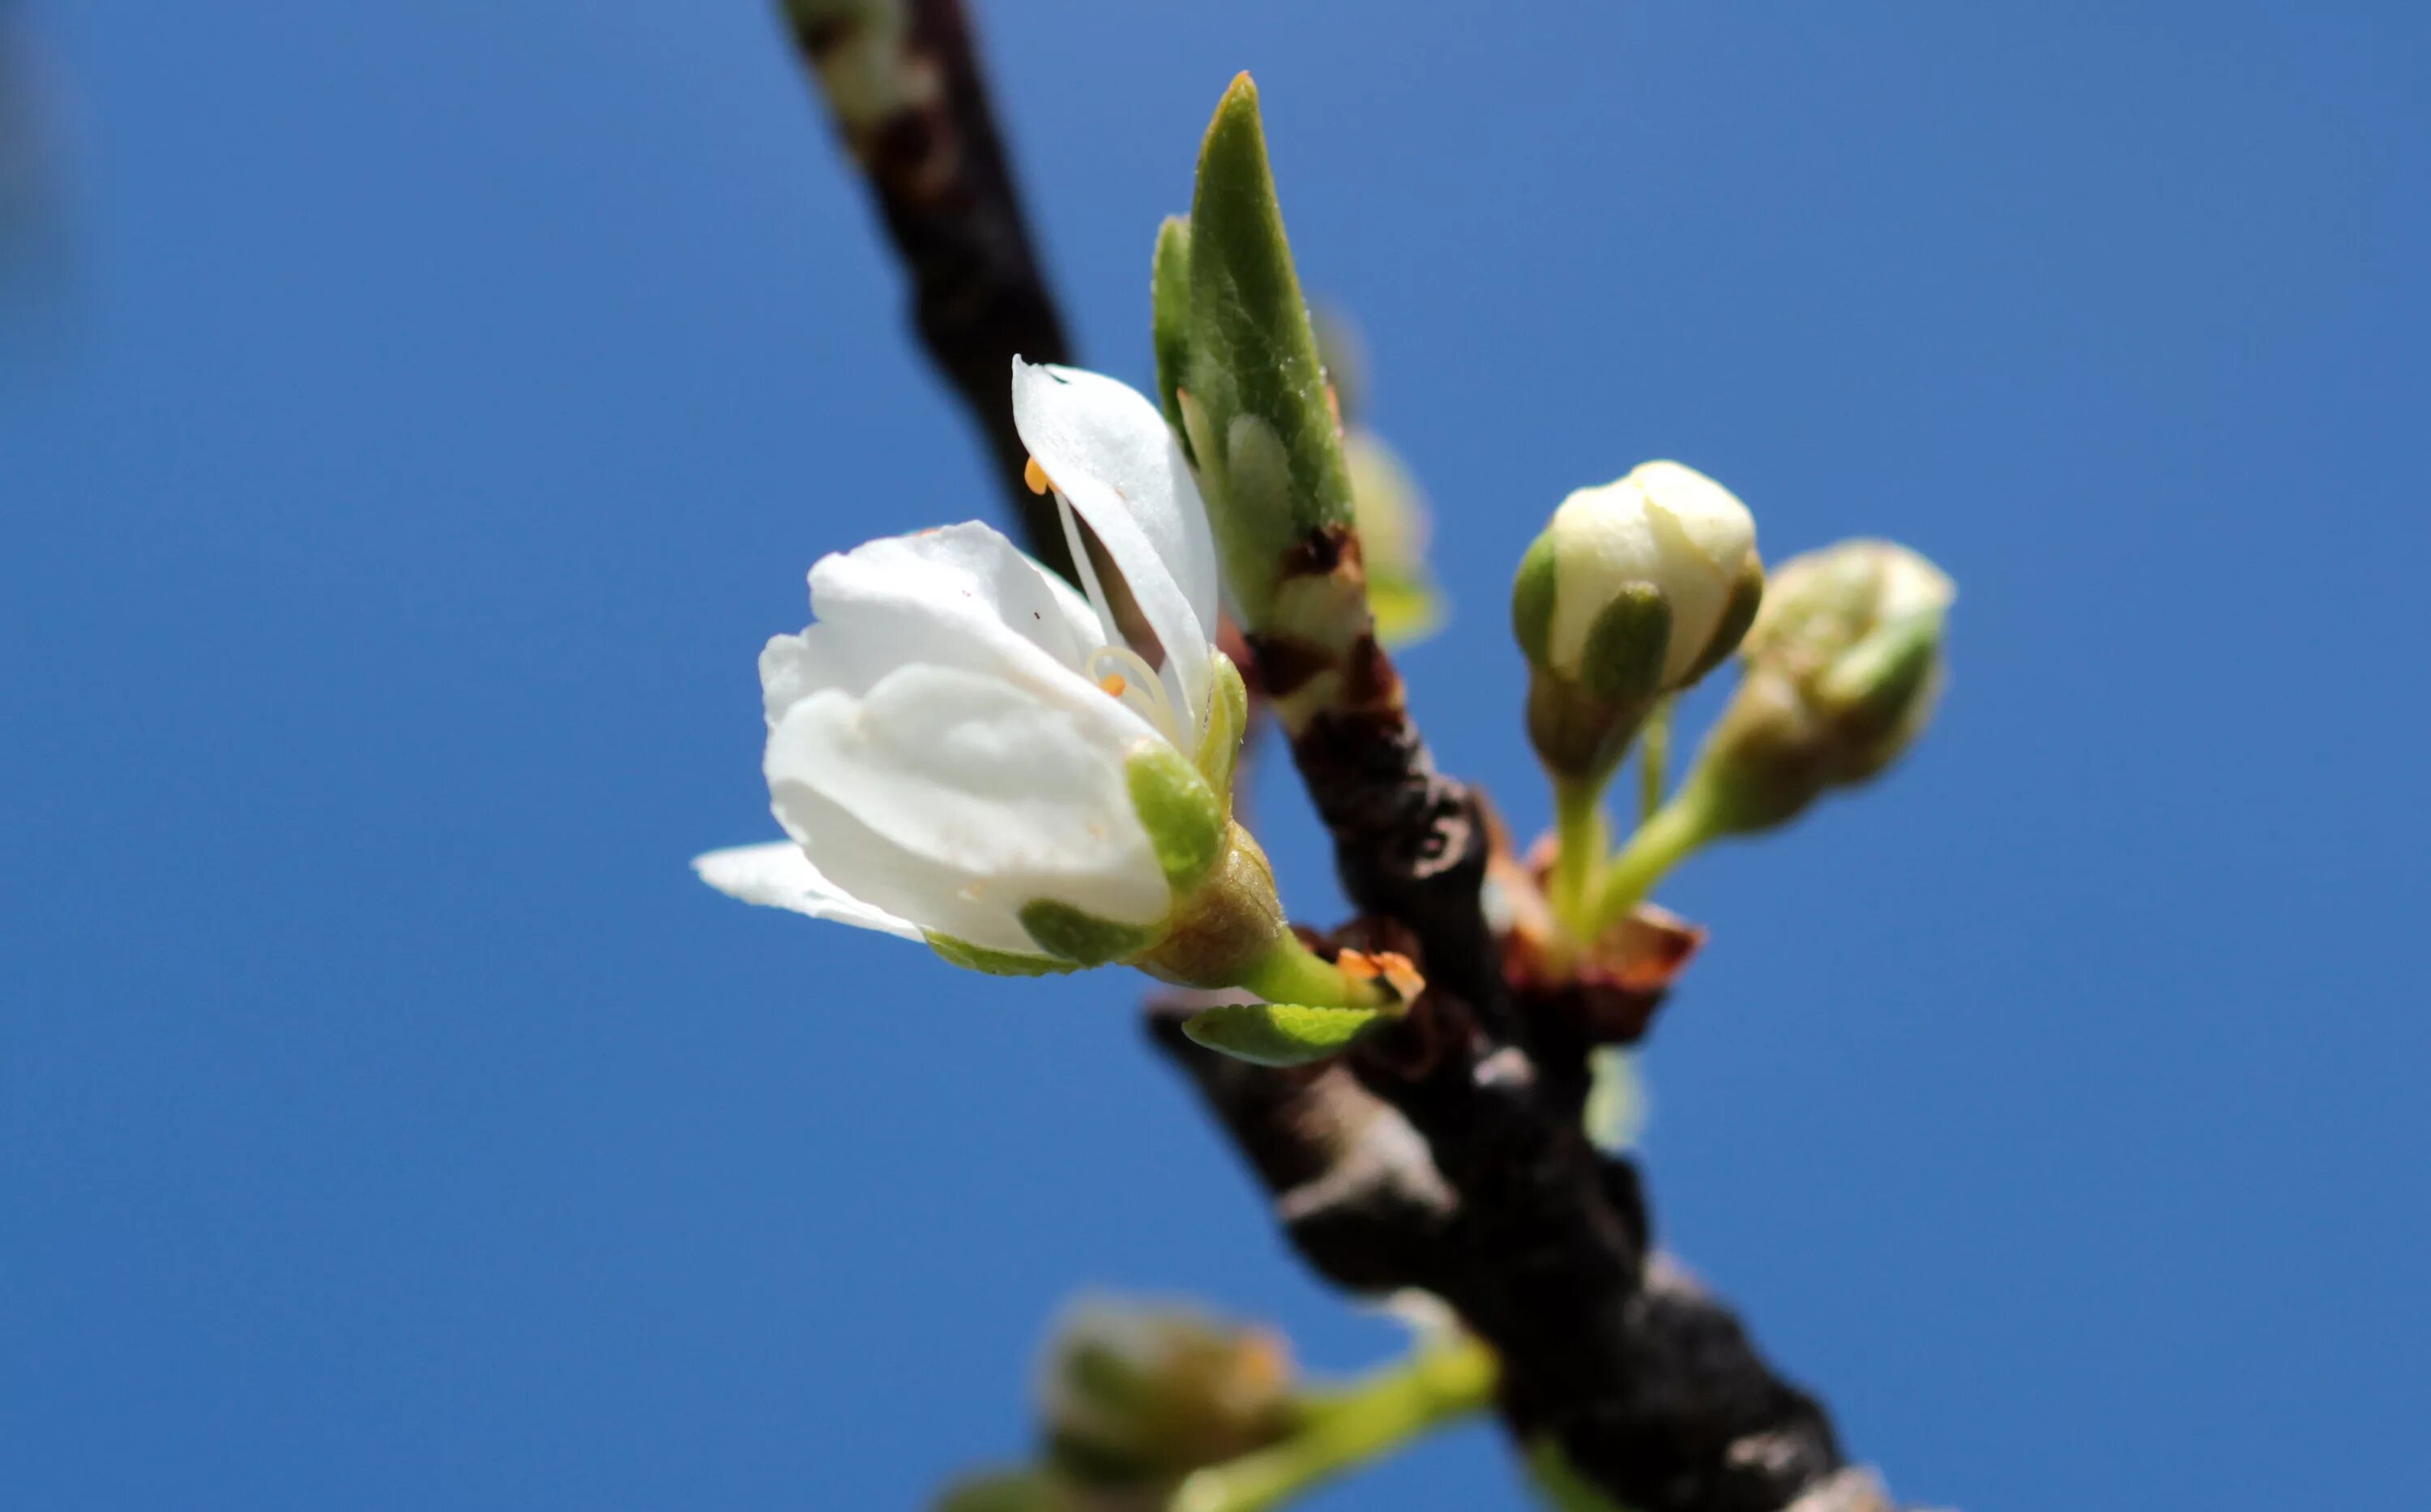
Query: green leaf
x,y
1278,1034
1253,370
1169,316
1408,608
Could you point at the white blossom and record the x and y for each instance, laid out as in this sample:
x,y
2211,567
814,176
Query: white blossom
x,y
959,739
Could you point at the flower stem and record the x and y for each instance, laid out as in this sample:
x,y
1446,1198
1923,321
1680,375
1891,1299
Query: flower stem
x,y
1439,1384
1293,973
1653,756
1669,835
1580,832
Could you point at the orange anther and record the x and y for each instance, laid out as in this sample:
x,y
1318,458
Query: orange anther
x,y
1113,683
1035,477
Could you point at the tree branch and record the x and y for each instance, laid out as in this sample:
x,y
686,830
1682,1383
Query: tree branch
x,y
1449,1152
903,85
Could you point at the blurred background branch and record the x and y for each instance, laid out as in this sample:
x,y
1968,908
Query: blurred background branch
x,y
903,84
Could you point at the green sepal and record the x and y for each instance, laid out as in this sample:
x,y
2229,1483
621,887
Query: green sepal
x,y
1183,814
1738,615
1278,1034
1082,937
1532,601
1626,645
1169,319
1228,723
996,963
1874,680
1253,366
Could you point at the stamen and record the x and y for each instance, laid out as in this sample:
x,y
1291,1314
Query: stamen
x,y
1136,684
1035,477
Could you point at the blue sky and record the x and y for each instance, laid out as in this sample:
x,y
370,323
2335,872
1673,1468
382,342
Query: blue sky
x,y
437,405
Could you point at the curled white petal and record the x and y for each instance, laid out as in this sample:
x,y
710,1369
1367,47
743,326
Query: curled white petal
x,y
962,596
1109,453
985,797
779,875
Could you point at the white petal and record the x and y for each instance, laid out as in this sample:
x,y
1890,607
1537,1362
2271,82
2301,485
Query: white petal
x,y
1664,524
779,875
1109,452
962,596
1024,798
936,897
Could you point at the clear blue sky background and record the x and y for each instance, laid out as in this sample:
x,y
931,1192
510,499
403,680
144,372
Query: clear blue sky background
x,y
441,402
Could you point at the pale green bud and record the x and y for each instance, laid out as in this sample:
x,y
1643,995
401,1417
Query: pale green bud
x,y
1134,1390
1013,1491
1394,523
1843,667
1634,590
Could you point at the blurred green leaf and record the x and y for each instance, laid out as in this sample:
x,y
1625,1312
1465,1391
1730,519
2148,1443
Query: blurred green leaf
x,y
1278,1034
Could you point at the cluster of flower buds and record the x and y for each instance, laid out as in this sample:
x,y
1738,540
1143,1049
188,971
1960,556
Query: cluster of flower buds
x,y
1843,667
1634,590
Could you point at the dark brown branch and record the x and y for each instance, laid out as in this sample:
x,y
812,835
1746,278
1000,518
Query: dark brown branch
x,y
1450,1154
1654,1390
903,83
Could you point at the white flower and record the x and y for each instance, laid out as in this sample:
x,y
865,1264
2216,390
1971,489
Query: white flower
x,y
964,749
1665,525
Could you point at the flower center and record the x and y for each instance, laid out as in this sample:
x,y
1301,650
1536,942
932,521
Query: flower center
x,y
1126,677
1121,672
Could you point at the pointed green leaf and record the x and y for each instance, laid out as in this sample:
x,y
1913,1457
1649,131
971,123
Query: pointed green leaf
x,y
1278,1034
1169,316
1253,365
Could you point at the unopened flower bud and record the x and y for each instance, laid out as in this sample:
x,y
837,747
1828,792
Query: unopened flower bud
x,y
1393,528
1015,1490
1134,1391
1634,590
1843,666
